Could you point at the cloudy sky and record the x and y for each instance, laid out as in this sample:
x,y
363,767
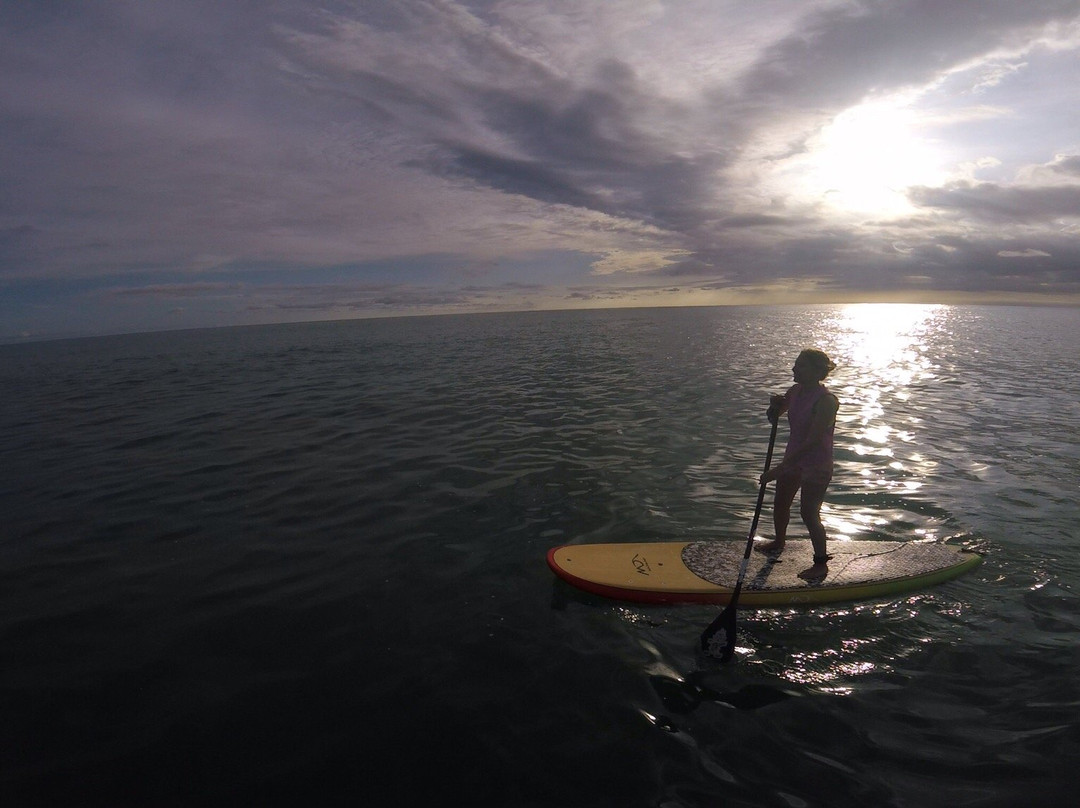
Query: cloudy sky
x,y
187,163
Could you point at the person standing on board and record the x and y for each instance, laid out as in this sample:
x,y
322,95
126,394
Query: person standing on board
x,y
808,459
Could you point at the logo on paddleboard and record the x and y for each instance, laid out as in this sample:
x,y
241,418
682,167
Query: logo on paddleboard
x,y
640,564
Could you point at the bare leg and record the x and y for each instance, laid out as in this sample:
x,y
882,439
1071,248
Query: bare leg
x,y
786,487
813,495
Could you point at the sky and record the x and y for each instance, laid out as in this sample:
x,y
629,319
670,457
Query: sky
x,y
193,163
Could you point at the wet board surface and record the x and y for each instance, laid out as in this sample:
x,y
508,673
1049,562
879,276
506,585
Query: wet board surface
x,y
706,572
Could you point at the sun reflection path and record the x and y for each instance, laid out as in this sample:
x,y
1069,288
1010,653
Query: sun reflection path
x,y
884,353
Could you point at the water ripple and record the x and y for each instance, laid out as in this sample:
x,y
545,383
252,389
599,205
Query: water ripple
x,y
313,539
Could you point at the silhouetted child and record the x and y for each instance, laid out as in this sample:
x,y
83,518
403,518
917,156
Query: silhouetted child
x,y
808,458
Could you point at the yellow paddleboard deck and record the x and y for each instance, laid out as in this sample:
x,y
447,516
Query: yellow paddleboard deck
x,y
706,572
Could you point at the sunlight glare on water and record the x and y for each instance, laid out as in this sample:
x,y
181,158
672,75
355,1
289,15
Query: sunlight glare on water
x,y
884,355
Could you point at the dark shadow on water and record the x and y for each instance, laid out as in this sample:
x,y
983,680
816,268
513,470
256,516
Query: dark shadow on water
x,y
560,594
684,696
681,696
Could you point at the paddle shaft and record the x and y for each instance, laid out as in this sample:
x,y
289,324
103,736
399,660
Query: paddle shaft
x,y
754,523
724,624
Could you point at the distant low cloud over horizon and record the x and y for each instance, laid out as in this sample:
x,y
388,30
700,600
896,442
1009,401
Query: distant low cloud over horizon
x,y
191,163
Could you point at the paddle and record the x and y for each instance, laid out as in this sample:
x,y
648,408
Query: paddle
x,y
718,640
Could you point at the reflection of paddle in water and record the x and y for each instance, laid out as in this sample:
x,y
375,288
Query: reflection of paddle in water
x,y
682,697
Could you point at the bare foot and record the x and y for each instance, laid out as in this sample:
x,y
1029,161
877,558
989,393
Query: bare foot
x,y
773,548
815,573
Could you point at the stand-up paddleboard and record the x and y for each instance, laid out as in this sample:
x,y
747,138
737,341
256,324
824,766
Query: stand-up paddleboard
x,y
706,571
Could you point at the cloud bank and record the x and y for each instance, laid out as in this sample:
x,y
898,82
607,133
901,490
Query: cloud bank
x,y
266,160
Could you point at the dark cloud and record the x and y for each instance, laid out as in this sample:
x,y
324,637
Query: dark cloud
x,y
1069,166
761,220
851,50
530,178
581,145
176,289
994,202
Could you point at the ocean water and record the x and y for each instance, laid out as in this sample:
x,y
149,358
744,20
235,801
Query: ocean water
x,y
304,564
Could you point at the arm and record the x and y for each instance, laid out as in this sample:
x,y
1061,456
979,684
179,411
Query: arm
x,y
778,405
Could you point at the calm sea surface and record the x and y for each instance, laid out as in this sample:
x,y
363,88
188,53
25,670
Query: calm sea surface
x,y
304,564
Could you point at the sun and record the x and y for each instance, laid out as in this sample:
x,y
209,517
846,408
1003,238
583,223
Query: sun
x,y
866,158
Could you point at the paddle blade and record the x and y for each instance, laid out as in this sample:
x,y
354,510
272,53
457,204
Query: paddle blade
x,y
718,640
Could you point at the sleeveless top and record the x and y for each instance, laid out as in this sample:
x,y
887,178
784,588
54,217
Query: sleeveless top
x,y
817,464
